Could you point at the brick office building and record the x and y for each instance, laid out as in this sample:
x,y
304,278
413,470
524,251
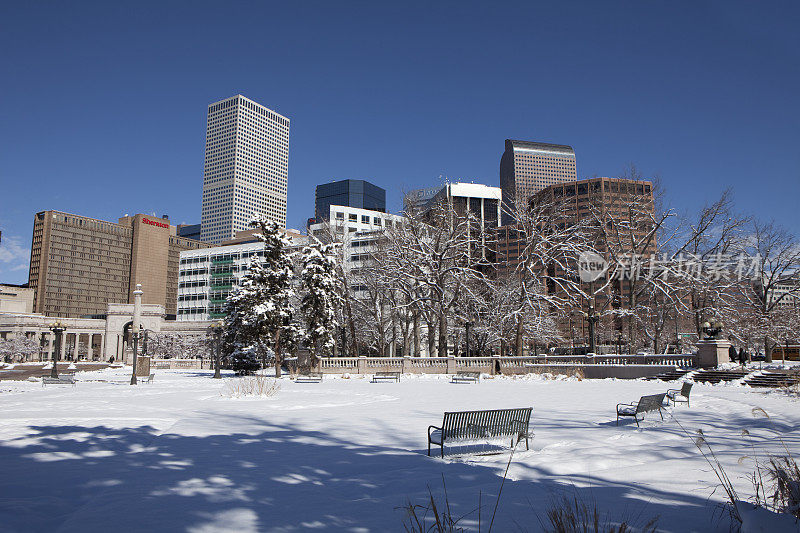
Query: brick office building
x,y
79,264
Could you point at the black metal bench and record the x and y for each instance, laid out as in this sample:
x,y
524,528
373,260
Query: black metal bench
x,y
476,425
645,404
148,379
386,376
64,379
308,377
466,377
682,395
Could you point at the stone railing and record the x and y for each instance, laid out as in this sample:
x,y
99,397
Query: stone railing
x,y
613,365
166,364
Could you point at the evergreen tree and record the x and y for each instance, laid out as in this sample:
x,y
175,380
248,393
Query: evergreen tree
x,y
259,321
320,297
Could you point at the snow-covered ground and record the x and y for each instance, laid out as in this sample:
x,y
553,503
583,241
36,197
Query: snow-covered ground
x,y
347,454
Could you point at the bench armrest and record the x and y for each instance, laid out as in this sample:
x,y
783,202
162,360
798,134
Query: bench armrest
x,y
632,404
432,427
670,391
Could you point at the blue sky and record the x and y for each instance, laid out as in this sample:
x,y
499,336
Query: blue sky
x,y
102,104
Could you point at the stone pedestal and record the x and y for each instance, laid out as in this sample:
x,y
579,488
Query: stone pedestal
x,y
143,366
712,352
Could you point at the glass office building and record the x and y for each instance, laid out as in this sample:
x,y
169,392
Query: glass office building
x,y
350,193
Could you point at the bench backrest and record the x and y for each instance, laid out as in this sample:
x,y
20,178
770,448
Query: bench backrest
x,y
650,403
478,424
467,373
686,388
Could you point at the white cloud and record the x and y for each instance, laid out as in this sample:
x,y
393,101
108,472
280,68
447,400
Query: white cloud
x,y
13,256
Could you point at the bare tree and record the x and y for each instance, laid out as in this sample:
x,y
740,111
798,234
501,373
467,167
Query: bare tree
x,y
551,239
772,279
429,260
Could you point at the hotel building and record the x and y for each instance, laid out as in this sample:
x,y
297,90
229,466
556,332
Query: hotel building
x,y
246,167
79,265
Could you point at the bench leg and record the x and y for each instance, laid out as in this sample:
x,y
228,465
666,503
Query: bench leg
x,y
526,443
637,420
442,446
429,447
617,418
661,413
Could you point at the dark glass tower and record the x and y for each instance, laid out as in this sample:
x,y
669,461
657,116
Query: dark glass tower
x,y
350,193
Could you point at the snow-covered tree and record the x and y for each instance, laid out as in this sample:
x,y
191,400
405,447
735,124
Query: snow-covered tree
x,y
320,298
258,325
18,349
773,279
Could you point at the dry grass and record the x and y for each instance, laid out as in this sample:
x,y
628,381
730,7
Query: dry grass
x,y
256,385
573,515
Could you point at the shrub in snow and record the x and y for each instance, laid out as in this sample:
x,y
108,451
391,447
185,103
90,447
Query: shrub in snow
x,y
257,385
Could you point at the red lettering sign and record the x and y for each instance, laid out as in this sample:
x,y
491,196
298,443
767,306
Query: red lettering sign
x,y
154,223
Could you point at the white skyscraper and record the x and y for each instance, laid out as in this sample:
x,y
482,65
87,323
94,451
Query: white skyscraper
x,y
246,165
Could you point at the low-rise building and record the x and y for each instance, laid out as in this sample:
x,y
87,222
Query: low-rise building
x,y
16,299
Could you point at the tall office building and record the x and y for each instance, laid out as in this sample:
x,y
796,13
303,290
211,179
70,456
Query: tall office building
x,y
528,167
246,167
79,264
350,193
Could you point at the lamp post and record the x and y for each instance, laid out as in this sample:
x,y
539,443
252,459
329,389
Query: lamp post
x,y
592,318
712,328
136,325
57,328
216,328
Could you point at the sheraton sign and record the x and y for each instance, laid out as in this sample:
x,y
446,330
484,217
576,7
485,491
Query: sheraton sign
x,y
154,223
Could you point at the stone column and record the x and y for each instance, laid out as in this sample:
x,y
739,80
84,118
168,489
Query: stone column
x,y
451,364
362,364
89,351
405,367
63,351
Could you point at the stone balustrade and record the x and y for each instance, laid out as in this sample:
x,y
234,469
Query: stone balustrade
x,y
615,365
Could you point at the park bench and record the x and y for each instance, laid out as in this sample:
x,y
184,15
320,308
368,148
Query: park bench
x,y
308,377
466,377
386,376
645,404
64,379
477,425
148,379
682,395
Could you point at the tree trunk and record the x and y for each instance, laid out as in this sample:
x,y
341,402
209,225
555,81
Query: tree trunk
x,y
442,335
350,322
431,338
519,340
767,350
416,335
278,359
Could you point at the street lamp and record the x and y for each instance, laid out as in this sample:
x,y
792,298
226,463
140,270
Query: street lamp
x,y
136,325
216,329
57,328
592,318
712,328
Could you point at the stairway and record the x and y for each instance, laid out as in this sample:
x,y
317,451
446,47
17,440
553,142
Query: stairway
x,y
670,375
773,379
716,376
